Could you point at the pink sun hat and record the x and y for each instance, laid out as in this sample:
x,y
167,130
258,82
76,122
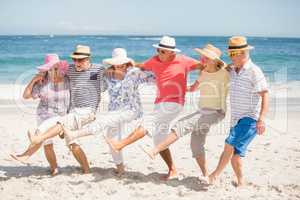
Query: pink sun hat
x,y
50,61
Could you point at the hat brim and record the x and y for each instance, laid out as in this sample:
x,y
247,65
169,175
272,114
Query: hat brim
x,y
169,49
208,55
241,49
79,56
63,66
116,61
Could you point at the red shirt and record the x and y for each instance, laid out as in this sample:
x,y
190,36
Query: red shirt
x,y
171,77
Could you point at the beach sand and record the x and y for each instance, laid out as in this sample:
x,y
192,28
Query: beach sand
x,y
271,167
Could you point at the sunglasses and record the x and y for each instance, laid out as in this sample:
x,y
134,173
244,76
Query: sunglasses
x,y
161,51
235,53
78,59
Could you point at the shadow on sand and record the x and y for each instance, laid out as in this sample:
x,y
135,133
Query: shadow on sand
x,y
99,174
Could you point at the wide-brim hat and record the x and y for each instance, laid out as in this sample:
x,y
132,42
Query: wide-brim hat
x,y
167,43
50,61
119,57
237,43
211,52
81,52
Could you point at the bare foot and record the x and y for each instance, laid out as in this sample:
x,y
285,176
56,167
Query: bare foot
x,y
83,121
211,179
20,158
86,171
54,172
204,179
238,184
172,174
113,144
34,139
120,170
150,153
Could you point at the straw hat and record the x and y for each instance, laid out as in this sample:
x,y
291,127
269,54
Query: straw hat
x,y
167,43
211,52
50,61
238,43
119,57
81,52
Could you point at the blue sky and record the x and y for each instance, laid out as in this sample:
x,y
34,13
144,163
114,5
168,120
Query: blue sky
x,y
275,18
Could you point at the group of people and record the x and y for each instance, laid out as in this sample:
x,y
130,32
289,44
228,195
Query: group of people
x,y
70,94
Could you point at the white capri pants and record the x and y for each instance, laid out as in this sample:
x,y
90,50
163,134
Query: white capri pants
x,y
158,122
112,124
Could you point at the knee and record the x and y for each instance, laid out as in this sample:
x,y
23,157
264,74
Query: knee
x,y
74,147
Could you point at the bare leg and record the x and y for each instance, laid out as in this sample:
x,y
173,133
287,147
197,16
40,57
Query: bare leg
x,y
170,139
50,133
134,136
72,135
51,157
201,160
27,154
224,159
166,156
80,157
236,163
31,149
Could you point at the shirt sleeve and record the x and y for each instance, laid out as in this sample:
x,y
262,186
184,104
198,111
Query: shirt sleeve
x,y
148,64
102,79
259,81
190,63
36,90
143,76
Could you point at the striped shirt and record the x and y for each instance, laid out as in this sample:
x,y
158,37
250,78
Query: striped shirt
x,y
86,86
244,91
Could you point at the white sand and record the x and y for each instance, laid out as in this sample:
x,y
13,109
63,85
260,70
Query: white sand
x,y
272,166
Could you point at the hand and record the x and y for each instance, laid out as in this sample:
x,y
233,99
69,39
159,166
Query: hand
x,y
38,78
132,63
260,126
109,73
119,75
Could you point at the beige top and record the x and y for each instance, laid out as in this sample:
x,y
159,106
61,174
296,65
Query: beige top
x,y
213,89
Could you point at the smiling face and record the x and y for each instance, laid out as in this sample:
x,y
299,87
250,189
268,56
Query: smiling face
x,y
81,64
122,68
165,55
55,75
239,57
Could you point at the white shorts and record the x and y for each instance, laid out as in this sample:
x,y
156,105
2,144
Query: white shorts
x,y
73,119
158,122
45,125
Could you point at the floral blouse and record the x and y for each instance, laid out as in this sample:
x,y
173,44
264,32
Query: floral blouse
x,y
124,94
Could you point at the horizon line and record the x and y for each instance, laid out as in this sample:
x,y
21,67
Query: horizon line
x,y
149,35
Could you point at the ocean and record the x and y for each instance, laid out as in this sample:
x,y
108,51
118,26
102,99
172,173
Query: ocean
x,y
279,58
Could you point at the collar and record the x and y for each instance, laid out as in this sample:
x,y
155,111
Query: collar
x,y
246,66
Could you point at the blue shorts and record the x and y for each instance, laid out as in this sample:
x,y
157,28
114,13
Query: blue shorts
x,y
241,135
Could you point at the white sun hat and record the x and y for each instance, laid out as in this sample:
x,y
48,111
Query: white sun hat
x,y
167,43
119,57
